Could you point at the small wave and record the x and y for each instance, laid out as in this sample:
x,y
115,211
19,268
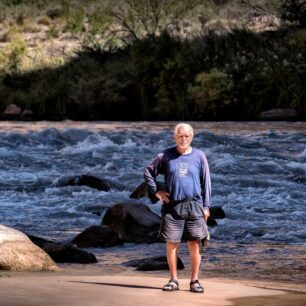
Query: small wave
x,y
129,144
6,152
91,143
270,167
224,161
303,154
299,167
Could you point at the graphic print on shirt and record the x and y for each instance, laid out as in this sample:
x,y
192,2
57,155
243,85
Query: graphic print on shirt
x,y
182,169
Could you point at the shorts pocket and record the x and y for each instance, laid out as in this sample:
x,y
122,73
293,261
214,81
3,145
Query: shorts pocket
x,y
189,210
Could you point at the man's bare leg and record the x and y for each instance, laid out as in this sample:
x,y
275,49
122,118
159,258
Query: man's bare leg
x,y
172,254
195,258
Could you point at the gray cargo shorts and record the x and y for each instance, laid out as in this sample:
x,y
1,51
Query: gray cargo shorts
x,y
185,218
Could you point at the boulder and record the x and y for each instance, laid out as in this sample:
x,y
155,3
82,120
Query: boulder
x,y
133,222
18,253
12,109
84,180
278,114
97,237
64,253
27,114
216,212
153,263
142,191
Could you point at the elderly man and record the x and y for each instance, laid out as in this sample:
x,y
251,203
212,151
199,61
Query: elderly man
x,y
185,202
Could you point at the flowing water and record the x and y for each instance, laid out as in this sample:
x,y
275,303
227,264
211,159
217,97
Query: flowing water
x,y
258,174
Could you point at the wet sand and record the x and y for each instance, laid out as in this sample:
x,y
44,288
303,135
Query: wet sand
x,y
72,288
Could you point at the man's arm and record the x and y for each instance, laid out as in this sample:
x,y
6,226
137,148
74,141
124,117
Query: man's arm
x,y
150,175
206,187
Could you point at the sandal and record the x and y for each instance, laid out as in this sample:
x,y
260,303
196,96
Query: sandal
x,y
196,287
172,285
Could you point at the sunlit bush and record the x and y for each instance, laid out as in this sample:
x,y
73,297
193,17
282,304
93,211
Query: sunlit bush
x,y
212,92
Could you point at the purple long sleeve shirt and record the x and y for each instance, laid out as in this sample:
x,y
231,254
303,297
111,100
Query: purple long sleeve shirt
x,y
186,176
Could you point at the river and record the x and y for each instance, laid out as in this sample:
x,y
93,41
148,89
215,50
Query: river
x,y
258,172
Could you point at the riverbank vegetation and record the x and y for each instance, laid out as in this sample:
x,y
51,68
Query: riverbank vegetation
x,y
153,59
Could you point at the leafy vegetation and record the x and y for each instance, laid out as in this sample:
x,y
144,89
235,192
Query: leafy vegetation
x,y
145,60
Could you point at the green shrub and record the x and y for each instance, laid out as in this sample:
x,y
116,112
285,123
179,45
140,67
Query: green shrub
x,y
75,19
212,92
17,52
3,61
44,20
52,32
30,27
101,20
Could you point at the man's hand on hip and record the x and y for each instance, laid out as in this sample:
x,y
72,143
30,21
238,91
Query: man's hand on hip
x,y
163,196
206,213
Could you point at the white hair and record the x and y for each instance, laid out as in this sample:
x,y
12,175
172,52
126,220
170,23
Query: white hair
x,y
183,126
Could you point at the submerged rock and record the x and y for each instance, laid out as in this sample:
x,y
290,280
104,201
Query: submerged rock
x,y
18,253
133,222
278,114
84,180
97,237
64,253
142,191
154,263
300,179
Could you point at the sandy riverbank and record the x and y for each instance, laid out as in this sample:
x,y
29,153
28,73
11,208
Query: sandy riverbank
x,y
78,289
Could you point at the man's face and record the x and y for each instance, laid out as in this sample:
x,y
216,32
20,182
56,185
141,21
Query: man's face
x,y
183,139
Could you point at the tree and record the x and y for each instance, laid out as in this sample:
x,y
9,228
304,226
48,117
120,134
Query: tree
x,y
138,19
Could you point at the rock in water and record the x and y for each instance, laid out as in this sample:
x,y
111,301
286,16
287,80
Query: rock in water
x,y
97,237
142,191
69,254
153,263
278,114
18,253
133,222
64,253
216,212
84,180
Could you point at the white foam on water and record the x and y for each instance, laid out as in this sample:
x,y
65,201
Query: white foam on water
x,y
275,166
224,160
90,144
109,166
303,154
129,144
4,152
19,177
297,166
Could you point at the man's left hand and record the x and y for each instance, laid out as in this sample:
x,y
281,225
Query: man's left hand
x,y
206,213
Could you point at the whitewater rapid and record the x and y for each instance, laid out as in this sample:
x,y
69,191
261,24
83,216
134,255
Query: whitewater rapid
x,y
258,175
